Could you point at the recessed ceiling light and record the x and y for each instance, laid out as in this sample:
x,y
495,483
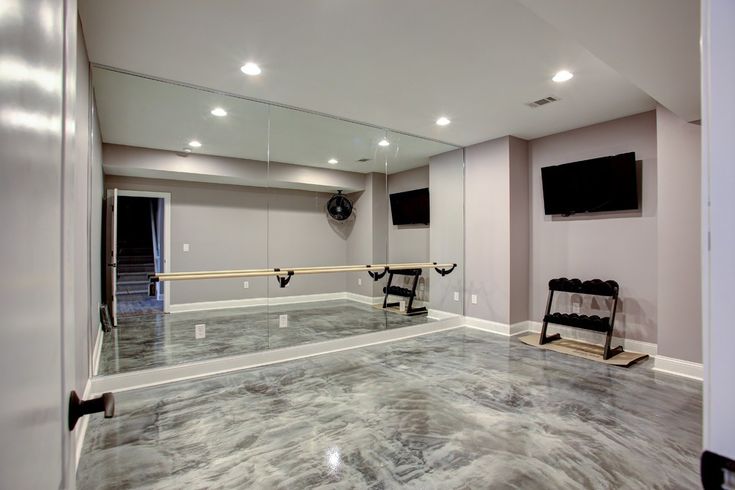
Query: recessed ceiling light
x,y
563,76
384,142
333,161
442,121
219,112
195,144
250,69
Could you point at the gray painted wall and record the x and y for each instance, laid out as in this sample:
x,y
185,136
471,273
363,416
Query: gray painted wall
x,y
487,234
359,237
679,238
520,230
231,227
409,243
447,234
620,246
379,186
86,220
367,235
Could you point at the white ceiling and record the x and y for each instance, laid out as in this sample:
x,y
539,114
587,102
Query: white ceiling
x,y
398,64
653,43
138,111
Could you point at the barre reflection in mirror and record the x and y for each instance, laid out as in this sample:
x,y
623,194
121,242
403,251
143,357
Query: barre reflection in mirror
x,y
442,269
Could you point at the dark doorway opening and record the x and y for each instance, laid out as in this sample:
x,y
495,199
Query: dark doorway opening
x,y
139,237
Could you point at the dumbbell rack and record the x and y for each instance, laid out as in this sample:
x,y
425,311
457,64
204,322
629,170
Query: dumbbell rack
x,y
595,287
406,293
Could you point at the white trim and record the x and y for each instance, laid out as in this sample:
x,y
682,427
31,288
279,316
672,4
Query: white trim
x,y
360,298
678,367
442,315
166,196
169,374
97,351
81,428
598,338
487,326
244,303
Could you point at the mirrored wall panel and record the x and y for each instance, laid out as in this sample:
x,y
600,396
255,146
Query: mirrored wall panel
x,y
237,227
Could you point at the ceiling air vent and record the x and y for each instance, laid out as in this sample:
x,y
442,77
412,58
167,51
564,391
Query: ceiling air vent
x,y
544,101
363,160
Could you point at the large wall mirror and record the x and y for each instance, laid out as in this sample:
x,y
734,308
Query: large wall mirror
x,y
238,227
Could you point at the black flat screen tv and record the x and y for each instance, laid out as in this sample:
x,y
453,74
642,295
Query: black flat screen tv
x,y
411,207
596,185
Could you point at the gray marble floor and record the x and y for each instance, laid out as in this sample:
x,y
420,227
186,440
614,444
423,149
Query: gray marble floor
x,y
144,342
456,409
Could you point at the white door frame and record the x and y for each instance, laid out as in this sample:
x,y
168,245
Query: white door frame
x,y
166,249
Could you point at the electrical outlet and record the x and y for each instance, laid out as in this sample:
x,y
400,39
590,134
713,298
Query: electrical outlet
x,y
282,321
186,247
473,298
456,296
359,281
200,331
245,284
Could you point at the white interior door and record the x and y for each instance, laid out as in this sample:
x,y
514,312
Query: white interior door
x,y
112,253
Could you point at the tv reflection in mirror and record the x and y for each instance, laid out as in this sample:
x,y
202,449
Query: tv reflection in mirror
x,y
410,207
591,186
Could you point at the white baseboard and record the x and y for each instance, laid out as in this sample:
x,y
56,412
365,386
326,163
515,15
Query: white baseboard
x,y
597,338
243,303
487,325
679,367
169,374
97,350
441,315
360,298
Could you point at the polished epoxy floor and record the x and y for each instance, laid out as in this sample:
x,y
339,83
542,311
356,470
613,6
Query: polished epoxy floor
x,y
144,342
455,409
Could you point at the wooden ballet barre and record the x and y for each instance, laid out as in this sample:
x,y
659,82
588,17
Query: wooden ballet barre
x,y
284,275
326,268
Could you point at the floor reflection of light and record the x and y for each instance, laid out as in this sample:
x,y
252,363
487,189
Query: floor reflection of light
x,y
334,460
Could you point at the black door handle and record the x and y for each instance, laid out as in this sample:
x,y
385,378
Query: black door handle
x,y
78,408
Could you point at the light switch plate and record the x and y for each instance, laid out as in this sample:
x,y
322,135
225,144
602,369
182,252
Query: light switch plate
x,y
359,281
200,331
282,321
474,299
186,247
245,284
456,296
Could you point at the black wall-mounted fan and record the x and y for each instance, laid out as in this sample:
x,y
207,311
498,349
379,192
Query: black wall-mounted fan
x,y
339,207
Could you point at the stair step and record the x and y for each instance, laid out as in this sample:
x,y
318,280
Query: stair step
x,y
135,259
131,283
136,291
134,250
133,268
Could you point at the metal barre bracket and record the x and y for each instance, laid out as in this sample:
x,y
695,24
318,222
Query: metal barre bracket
x,y
444,272
377,276
283,281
